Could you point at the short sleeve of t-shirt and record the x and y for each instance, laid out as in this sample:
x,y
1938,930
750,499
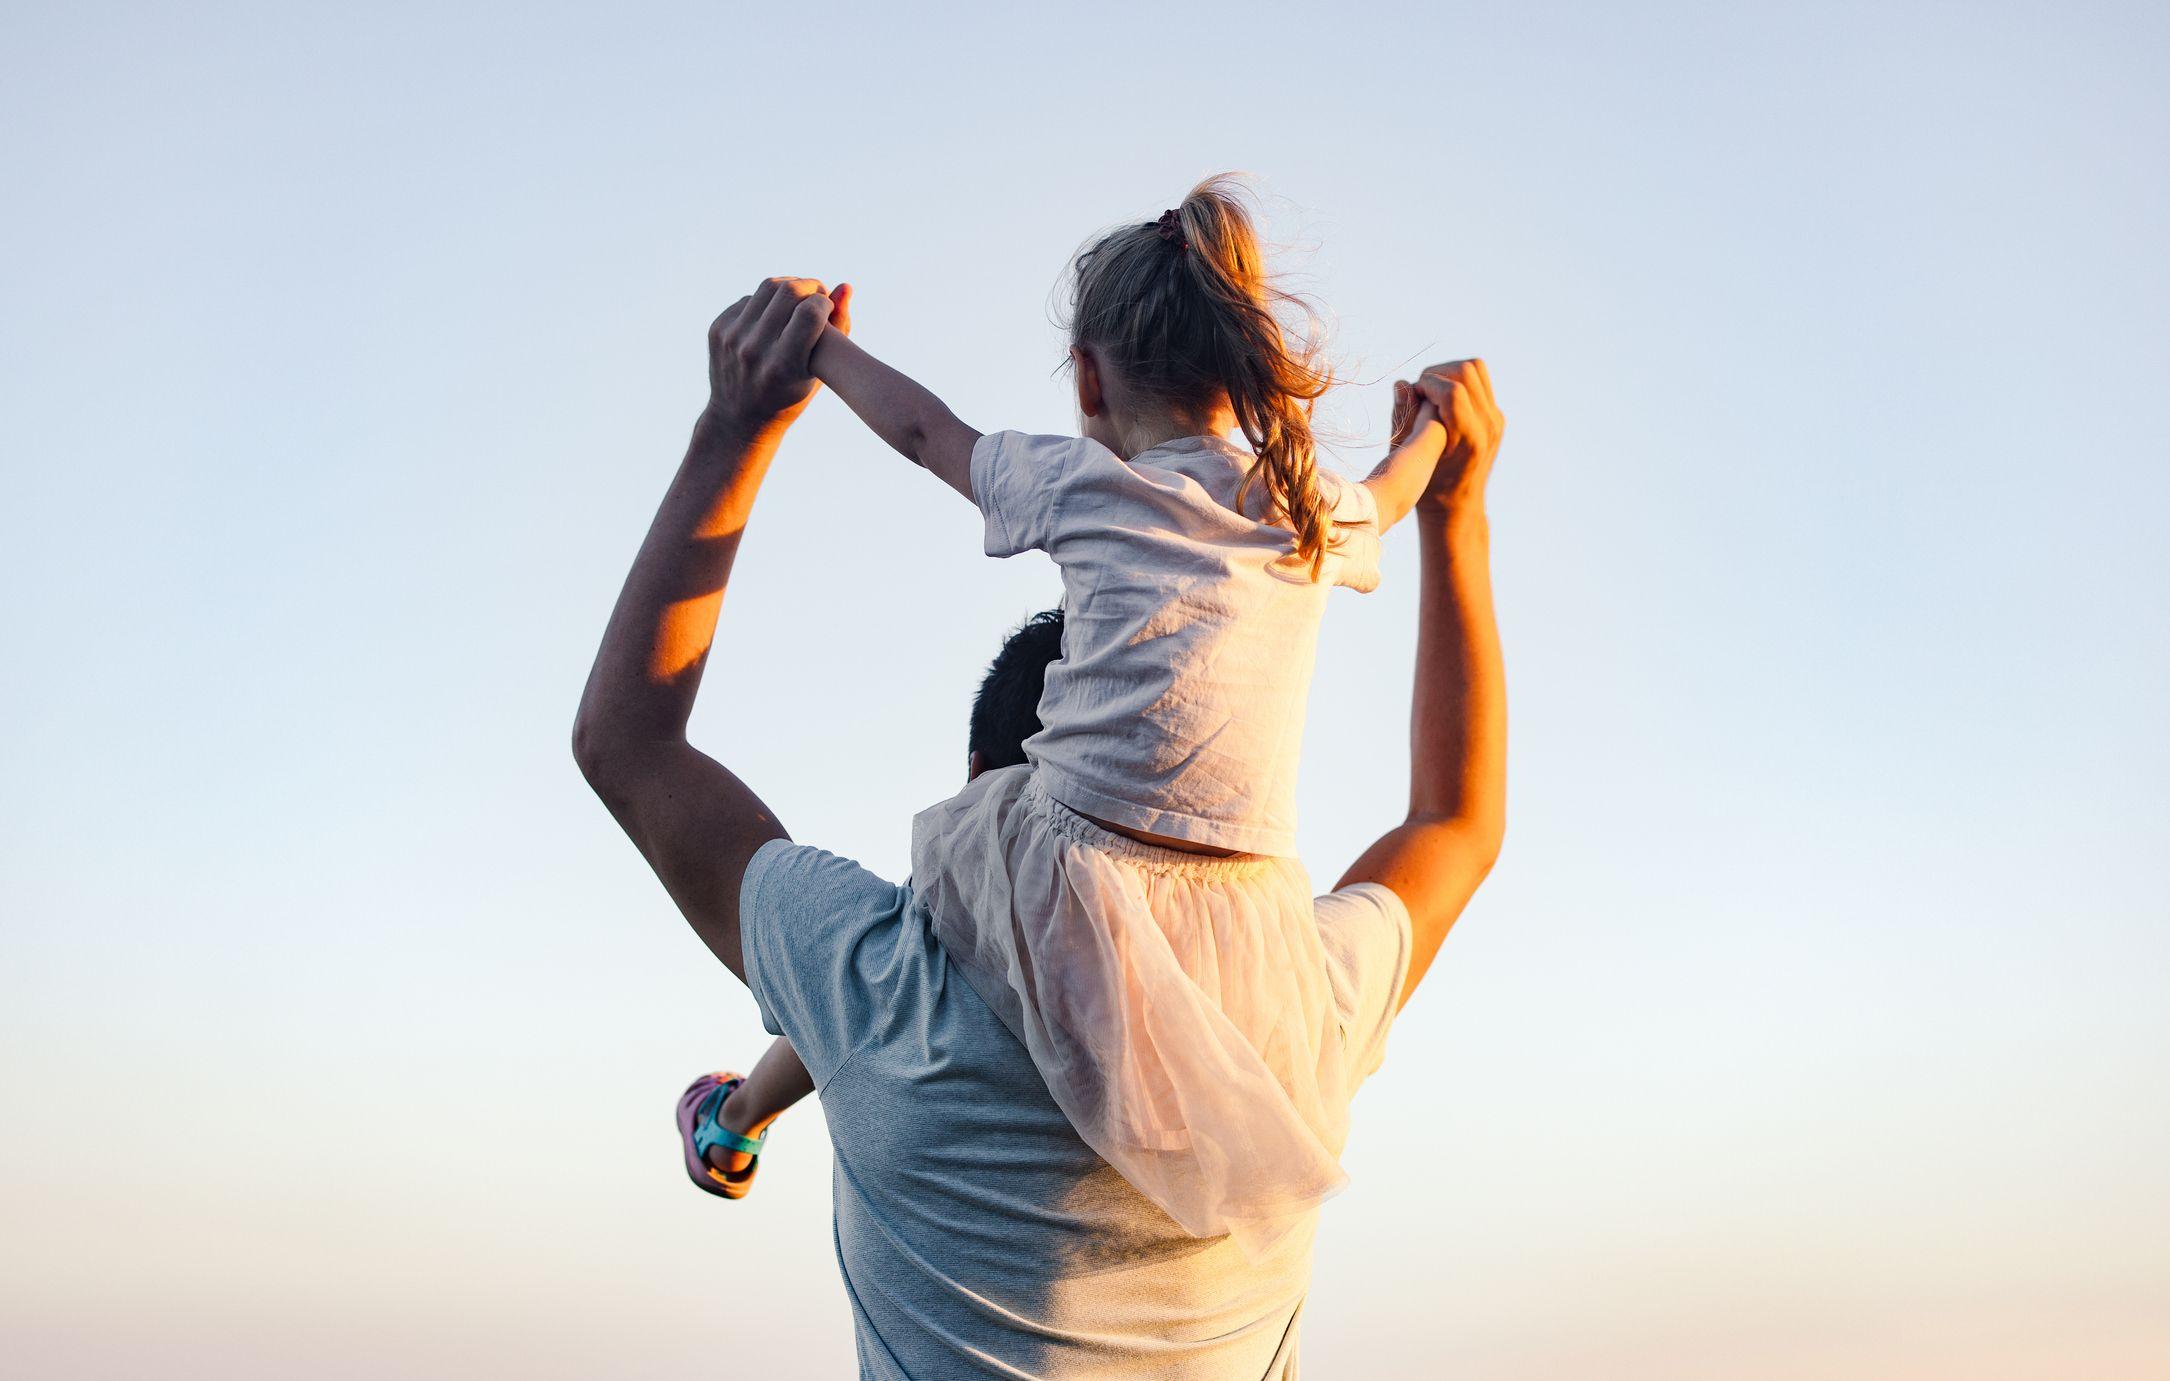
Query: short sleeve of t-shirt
x,y
819,932
1018,481
1364,929
1355,511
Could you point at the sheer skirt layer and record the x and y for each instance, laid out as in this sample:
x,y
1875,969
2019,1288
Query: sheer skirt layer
x,y
1178,1006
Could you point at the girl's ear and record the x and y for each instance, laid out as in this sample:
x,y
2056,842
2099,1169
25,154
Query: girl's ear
x,y
1087,370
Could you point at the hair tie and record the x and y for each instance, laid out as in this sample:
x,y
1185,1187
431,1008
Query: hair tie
x,y
1171,229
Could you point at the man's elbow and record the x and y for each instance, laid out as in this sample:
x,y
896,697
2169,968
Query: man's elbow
x,y
1491,837
1475,837
601,754
584,747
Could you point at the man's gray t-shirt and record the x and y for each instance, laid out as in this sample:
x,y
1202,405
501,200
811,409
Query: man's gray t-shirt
x,y
977,1234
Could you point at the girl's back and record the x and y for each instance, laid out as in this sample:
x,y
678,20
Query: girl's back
x,y
1177,707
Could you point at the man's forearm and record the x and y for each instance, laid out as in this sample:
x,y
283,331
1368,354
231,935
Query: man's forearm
x,y
693,820
1458,716
648,669
1444,847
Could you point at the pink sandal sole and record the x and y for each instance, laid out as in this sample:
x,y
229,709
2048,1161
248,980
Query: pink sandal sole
x,y
706,1177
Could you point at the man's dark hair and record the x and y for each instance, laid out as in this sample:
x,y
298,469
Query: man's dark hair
x,y
1007,710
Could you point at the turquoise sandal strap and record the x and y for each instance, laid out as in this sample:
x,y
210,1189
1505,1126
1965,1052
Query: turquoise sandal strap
x,y
708,1132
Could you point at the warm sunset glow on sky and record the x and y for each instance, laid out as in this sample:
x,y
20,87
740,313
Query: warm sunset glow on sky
x,y
1813,1022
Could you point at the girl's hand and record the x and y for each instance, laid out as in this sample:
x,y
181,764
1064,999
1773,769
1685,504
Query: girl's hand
x,y
759,380
1406,402
1418,439
1413,416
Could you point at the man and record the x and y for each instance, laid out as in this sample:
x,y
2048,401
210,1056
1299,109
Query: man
x,y
977,1234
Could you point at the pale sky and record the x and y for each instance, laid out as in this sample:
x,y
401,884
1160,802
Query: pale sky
x,y
1813,1022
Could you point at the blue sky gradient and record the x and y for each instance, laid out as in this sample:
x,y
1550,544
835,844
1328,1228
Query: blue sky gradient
x,y
1812,1024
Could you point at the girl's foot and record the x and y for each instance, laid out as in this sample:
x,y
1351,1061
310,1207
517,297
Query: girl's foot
x,y
718,1160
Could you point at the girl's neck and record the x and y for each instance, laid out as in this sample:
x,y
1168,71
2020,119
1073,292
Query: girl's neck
x,y
1130,436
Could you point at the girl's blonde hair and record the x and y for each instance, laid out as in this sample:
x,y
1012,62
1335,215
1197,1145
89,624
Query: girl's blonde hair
x,y
1184,310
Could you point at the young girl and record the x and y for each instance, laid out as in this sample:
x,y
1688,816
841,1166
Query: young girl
x,y
1128,900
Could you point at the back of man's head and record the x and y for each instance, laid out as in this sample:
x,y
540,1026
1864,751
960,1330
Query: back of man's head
x,y
1007,710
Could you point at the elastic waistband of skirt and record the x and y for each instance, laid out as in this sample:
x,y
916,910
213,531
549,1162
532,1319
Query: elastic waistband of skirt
x,y
1153,857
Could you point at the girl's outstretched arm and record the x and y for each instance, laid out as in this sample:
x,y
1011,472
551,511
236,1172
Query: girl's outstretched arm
x,y
1419,440
918,424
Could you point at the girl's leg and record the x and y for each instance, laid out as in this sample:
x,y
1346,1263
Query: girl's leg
x,y
777,1082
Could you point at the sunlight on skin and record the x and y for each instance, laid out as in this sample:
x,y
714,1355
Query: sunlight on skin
x,y
683,635
1780,555
687,628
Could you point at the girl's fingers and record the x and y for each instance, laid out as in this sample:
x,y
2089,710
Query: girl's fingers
x,y
840,308
1398,426
1421,419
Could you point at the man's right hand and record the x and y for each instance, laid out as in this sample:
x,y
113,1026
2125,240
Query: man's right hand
x,y
758,352
1461,392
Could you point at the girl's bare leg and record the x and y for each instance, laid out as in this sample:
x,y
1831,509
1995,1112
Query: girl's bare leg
x,y
777,1082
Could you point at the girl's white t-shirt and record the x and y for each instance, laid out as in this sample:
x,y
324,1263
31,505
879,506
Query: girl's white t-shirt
x,y
1190,631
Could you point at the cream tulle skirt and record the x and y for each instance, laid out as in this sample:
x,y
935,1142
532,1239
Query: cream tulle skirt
x,y
1177,1005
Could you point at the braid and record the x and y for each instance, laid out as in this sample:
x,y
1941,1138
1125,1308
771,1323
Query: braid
x,y
1184,308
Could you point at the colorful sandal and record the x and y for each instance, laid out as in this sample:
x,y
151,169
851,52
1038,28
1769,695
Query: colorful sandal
x,y
698,1130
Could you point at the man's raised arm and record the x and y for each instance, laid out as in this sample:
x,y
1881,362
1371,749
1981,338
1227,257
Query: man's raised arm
x,y
1437,856
696,823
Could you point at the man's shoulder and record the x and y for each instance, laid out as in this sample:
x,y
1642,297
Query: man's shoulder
x,y
783,874
794,895
1365,931
820,930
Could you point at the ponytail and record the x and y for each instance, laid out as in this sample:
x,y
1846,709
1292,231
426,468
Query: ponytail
x,y
1184,309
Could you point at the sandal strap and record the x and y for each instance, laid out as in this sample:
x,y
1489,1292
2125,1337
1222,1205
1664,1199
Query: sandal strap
x,y
708,1132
